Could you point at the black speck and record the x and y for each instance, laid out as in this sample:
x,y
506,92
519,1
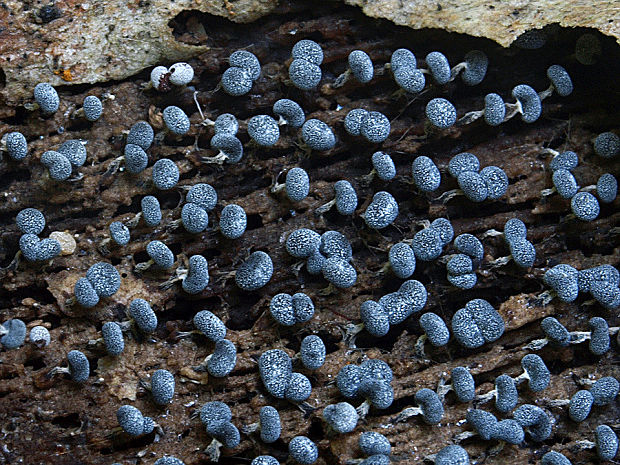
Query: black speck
x,y
439,8
49,13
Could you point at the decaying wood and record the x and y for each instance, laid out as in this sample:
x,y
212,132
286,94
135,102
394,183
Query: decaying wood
x,y
56,421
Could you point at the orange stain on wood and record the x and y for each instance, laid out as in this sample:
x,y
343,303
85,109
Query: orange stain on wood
x,y
65,74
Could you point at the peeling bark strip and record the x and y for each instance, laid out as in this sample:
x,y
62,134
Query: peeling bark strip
x,y
50,420
48,45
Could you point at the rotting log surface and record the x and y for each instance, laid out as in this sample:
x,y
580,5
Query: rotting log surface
x,y
57,421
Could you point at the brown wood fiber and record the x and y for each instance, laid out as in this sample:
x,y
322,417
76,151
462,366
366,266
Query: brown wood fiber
x,y
56,421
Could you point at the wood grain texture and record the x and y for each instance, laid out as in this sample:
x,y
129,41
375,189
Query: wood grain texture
x,y
57,422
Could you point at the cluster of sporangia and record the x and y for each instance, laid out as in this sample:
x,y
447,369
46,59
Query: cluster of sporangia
x,y
330,254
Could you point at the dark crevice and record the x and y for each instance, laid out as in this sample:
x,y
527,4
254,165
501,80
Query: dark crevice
x,y
134,207
71,420
78,124
141,257
18,175
123,441
43,296
240,316
168,199
254,221
20,117
185,309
